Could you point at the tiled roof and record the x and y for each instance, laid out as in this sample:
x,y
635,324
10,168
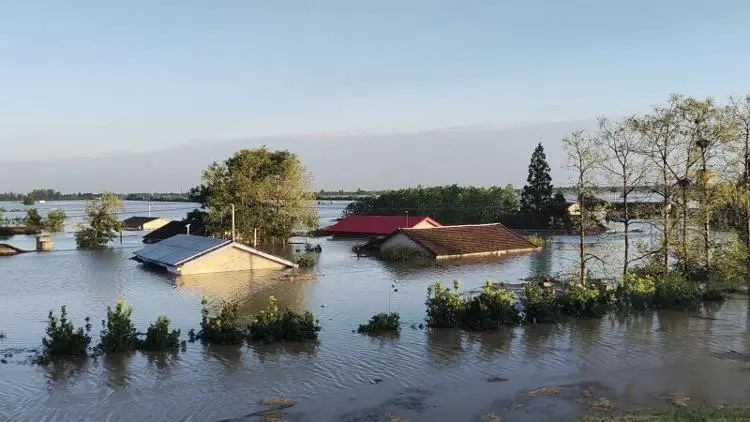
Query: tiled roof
x,y
468,239
174,228
378,225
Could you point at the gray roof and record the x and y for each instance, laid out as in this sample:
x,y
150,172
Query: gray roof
x,y
179,249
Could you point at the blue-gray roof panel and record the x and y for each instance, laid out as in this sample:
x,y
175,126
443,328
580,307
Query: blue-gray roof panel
x,y
179,249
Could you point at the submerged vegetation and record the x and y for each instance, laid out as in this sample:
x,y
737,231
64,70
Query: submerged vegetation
x,y
272,324
220,325
63,339
103,223
381,323
159,336
119,333
493,307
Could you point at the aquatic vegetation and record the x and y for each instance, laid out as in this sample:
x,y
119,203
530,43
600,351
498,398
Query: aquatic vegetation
x,y
674,291
444,306
581,301
490,309
63,339
272,324
540,303
635,292
119,333
159,337
380,323
306,260
537,240
222,326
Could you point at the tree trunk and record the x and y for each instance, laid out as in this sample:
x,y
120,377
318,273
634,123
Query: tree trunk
x,y
665,218
626,222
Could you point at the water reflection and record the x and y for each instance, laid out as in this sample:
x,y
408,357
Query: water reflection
x,y
117,368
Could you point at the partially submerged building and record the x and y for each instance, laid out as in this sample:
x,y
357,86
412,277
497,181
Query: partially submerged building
x,y
144,223
189,254
378,225
173,228
465,241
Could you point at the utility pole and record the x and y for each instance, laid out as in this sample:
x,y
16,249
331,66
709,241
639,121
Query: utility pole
x,y
407,219
232,222
149,208
187,228
255,238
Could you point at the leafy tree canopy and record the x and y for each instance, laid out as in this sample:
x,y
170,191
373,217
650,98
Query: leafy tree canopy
x,y
103,222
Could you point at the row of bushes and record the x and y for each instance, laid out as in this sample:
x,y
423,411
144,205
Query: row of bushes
x,y
542,302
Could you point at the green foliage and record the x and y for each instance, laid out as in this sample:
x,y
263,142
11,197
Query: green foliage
x,y
159,337
581,301
306,260
674,291
729,265
28,200
489,310
55,220
444,306
33,218
403,254
447,204
63,339
540,303
119,334
635,292
271,191
103,223
537,240
380,323
536,196
222,326
272,325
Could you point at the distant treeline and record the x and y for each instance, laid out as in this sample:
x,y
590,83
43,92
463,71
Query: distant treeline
x,y
54,195
447,204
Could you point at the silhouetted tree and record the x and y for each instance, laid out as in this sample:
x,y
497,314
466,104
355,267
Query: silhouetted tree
x,y
537,194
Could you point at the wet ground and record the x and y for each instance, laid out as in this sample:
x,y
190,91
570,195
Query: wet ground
x,y
536,372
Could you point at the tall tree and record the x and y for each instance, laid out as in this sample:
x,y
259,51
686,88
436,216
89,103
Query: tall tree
x,y
55,220
740,147
33,218
270,190
537,194
103,224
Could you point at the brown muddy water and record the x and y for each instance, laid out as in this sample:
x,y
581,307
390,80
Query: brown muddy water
x,y
535,372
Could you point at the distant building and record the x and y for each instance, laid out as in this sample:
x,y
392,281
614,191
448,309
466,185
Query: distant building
x,y
459,241
378,225
188,254
174,228
144,223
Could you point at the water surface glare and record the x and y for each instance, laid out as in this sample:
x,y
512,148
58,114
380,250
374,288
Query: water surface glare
x,y
420,374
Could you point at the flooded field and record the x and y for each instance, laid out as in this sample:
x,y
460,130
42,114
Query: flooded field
x,y
520,373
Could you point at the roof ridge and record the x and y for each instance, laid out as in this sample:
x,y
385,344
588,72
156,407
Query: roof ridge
x,y
459,225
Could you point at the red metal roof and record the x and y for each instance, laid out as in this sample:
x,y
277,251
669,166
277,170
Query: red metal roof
x,y
376,225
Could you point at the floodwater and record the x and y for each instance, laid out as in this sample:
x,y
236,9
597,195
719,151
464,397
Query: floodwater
x,y
549,371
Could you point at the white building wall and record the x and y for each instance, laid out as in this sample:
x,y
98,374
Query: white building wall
x,y
400,240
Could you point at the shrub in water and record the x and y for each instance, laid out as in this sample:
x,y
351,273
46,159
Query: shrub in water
x,y
582,301
380,323
273,325
492,308
223,326
403,254
537,240
159,337
673,291
63,338
540,304
306,260
444,306
119,334
728,269
635,292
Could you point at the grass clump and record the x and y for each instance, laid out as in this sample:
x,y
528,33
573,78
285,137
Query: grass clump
x,y
63,339
581,301
381,323
119,333
272,325
222,325
537,240
540,304
488,310
306,260
159,337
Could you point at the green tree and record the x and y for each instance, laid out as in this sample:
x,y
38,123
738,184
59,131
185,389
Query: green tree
x,y
537,194
271,192
55,220
103,223
33,218
28,200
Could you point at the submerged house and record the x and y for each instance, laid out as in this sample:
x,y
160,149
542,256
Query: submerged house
x,y
378,225
189,254
459,241
144,223
173,228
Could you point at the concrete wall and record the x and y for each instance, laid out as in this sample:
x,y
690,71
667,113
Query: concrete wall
x,y
228,258
155,224
400,240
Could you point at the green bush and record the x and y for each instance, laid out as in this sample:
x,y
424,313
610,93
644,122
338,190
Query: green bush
x,y
223,326
380,323
537,240
674,291
306,260
444,306
489,310
55,220
159,337
635,292
119,334
540,304
728,269
273,325
582,301
63,339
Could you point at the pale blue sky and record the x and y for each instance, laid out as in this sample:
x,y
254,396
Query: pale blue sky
x,y
93,77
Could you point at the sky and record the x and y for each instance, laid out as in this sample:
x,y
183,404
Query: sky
x,y
80,80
